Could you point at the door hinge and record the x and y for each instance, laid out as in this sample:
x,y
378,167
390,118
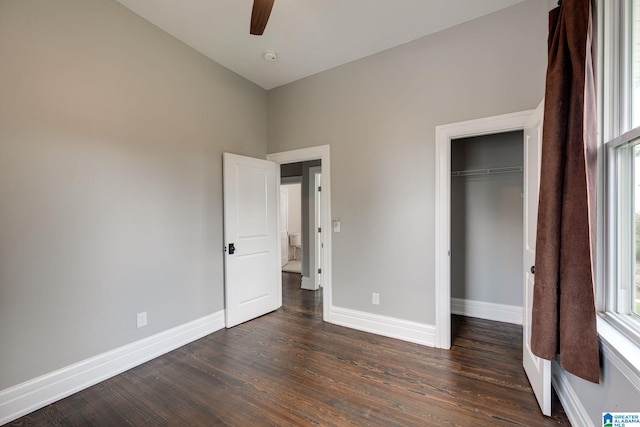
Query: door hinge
x,y
319,188
319,271
319,229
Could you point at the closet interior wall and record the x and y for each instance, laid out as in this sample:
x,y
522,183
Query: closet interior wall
x,y
487,219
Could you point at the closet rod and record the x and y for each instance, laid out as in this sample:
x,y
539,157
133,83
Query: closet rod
x,y
490,171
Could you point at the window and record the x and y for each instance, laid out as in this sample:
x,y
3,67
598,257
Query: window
x,y
620,130
634,30
626,180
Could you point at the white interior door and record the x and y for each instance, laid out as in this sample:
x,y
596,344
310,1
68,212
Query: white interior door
x,y
251,238
538,370
284,226
319,228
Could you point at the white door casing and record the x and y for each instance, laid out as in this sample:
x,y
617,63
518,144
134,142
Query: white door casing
x,y
444,135
252,256
538,370
323,153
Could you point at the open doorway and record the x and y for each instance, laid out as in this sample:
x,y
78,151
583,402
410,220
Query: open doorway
x,y
291,223
314,257
487,226
300,227
444,136
538,370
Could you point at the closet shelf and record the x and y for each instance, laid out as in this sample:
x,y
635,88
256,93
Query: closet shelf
x,y
490,171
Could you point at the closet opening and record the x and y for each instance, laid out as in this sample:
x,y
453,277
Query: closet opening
x,y
486,227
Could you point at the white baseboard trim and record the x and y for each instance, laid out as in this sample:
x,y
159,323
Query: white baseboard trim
x,y
487,310
308,284
572,405
34,394
405,330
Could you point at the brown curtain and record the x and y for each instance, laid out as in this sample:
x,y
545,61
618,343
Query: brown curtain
x,y
564,316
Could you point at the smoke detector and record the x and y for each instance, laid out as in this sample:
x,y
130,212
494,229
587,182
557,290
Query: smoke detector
x,y
270,56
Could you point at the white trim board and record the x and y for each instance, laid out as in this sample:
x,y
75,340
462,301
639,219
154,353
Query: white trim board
x,y
571,404
487,310
321,152
34,394
405,330
444,135
308,284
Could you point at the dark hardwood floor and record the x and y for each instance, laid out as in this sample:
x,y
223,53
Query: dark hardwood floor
x,y
290,368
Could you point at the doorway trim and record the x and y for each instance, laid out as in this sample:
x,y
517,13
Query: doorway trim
x,y
321,153
444,135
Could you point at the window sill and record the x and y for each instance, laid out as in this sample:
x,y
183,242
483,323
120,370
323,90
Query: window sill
x,y
620,350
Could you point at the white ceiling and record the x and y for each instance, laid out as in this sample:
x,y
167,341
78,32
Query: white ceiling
x,y
309,36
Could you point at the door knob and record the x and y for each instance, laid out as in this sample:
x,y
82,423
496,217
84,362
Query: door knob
x,y
533,269
232,249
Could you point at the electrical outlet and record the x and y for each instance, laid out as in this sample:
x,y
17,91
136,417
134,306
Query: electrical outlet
x,y
375,298
141,319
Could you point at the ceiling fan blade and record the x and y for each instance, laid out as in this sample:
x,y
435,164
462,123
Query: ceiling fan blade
x,y
260,16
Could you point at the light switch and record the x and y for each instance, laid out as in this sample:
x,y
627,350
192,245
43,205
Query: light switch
x,y
336,225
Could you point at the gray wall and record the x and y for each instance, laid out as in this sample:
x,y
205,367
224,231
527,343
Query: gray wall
x,y
111,135
486,220
379,114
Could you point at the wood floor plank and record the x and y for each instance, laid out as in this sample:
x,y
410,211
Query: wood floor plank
x,y
289,368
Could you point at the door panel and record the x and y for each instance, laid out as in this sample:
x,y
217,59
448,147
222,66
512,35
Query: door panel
x,y
319,228
250,225
538,370
284,224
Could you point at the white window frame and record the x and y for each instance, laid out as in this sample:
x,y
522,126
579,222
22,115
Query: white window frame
x,y
620,341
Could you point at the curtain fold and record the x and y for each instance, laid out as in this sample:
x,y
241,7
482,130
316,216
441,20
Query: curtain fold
x,y
564,317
